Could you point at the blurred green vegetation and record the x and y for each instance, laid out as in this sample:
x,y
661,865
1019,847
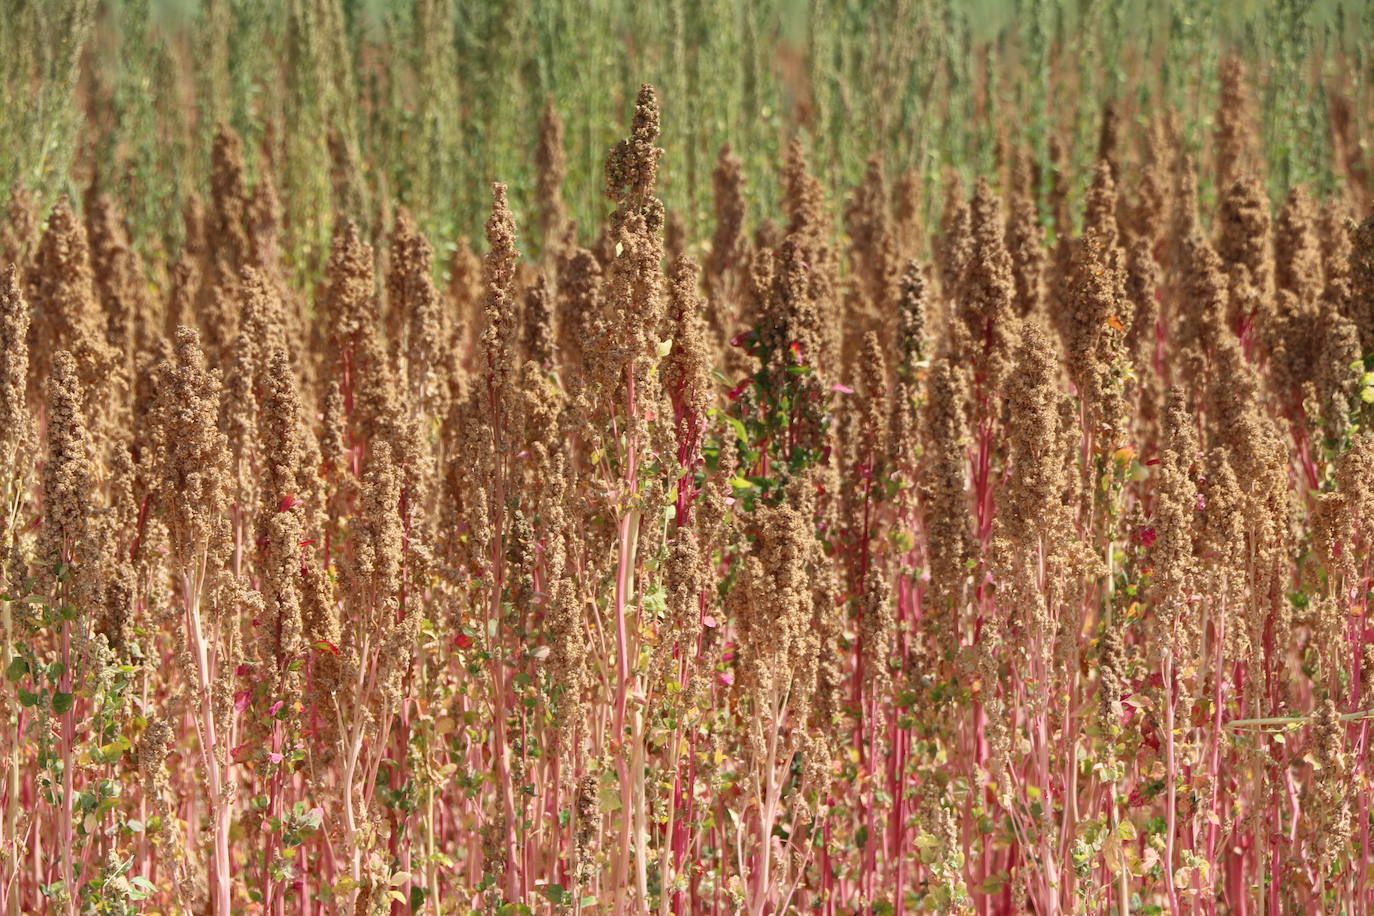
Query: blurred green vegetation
x,y
356,102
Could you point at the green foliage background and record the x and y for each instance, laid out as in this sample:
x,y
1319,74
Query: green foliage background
x,y
425,102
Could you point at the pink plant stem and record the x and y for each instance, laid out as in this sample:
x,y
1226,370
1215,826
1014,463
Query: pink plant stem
x,y
68,772
1171,765
624,562
211,751
501,747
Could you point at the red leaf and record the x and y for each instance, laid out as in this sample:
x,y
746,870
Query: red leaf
x,y
288,502
739,389
462,640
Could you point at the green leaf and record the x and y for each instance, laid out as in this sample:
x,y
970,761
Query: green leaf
x,y
16,669
27,698
553,892
61,702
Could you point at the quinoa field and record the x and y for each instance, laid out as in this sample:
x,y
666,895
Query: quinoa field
x,y
610,458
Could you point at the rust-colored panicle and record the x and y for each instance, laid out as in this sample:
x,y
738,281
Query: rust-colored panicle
x,y
263,222
1359,305
67,315
1257,454
1060,217
1326,801
1142,290
909,372
217,306
1176,522
1232,141
119,279
349,302
1025,239
634,288
227,235
1334,228
955,245
1098,315
69,478
18,229
282,513
16,425
729,243
986,294
687,368
1099,206
284,436
194,465
260,332
1034,535
811,230
1297,248
1342,518
873,390
1200,323
907,212
1148,213
537,323
181,300
578,306
464,294
1243,234
1033,489
413,298
499,339
193,225
551,167
375,573
1222,546
1108,138
1183,215
569,660
803,197
632,164
773,610
793,331
872,243
944,498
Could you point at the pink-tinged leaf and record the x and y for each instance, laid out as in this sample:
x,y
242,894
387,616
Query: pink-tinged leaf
x,y
738,338
709,622
288,502
275,708
842,389
726,678
738,390
238,753
274,757
326,646
241,699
